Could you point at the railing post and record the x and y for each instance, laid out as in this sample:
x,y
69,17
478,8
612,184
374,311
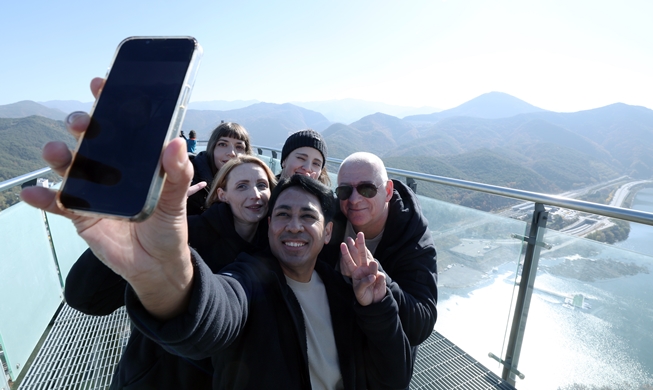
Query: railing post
x,y
525,292
412,184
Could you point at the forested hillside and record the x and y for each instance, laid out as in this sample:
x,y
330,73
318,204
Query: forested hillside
x,y
484,166
21,142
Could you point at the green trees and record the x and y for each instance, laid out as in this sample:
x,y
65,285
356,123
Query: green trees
x,y
617,232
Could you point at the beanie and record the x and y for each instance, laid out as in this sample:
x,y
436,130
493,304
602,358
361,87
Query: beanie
x,y
310,138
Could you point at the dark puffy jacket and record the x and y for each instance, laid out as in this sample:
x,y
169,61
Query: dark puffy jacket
x,y
202,172
407,255
92,288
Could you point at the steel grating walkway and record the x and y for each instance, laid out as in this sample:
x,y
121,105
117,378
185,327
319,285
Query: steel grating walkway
x,y
441,365
80,352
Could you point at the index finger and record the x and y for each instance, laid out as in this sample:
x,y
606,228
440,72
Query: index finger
x,y
346,259
195,188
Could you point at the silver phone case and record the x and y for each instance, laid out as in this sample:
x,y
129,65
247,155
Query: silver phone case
x,y
173,129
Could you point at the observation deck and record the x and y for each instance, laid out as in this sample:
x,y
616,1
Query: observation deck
x,y
520,306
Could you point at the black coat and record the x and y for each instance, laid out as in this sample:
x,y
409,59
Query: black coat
x,y
92,288
213,236
248,320
407,255
202,172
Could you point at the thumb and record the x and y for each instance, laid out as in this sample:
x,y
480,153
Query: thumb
x,y
179,173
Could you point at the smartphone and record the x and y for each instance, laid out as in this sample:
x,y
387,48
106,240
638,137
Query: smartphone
x,y
116,167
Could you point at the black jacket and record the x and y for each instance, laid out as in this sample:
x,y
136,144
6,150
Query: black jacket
x,y
213,236
202,172
250,323
407,255
92,288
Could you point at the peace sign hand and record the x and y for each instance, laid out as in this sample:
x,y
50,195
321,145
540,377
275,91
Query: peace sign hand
x,y
357,261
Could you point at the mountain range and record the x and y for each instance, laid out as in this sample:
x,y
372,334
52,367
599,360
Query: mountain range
x,y
562,151
350,110
494,138
343,111
27,108
269,124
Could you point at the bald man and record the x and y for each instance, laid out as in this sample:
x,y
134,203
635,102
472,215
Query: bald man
x,y
396,234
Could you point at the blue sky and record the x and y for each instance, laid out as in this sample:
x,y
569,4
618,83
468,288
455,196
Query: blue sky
x,y
557,55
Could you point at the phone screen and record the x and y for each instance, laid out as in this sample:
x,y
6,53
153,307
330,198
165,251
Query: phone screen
x,y
117,159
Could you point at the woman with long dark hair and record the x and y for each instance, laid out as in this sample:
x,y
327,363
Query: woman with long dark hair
x,y
227,141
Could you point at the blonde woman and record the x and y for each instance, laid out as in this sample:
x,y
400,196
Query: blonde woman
x,y
235,220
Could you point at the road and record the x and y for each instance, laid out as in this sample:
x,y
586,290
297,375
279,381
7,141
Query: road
x,y
623,192
586,223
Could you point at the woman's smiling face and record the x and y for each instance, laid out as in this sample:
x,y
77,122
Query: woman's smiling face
x,y
303,161
247,193
227,148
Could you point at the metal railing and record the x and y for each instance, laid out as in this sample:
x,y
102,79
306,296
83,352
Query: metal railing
x,y
16,181
533,240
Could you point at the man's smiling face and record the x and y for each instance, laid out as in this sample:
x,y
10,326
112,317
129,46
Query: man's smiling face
x,y
367,215
297,232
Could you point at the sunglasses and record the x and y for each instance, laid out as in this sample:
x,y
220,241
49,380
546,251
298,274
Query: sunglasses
x,y
367,190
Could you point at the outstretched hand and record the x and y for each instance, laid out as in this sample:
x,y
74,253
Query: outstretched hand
x,y
153,255
357,262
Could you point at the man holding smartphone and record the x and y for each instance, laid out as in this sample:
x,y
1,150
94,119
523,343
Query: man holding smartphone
x,y
169,289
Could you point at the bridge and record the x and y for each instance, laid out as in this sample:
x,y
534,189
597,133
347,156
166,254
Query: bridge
x,y
493,309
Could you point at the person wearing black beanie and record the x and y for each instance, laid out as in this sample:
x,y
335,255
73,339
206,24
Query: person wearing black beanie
x,y
305,153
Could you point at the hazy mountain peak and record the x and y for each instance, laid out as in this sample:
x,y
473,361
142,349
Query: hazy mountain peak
x,y
491,105
380,118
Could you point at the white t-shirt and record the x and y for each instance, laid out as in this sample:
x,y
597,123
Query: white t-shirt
x,y
322,354
370,242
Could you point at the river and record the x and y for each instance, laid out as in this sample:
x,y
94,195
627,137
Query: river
x,y
606,345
